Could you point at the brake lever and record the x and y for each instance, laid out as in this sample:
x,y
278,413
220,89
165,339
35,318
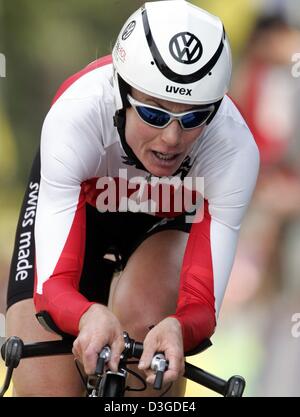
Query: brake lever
x,y
159,365
103,358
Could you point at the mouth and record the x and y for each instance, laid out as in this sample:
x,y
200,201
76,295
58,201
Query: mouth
x,y
165,157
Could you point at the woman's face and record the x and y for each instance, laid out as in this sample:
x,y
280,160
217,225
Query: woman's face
x,y
161,151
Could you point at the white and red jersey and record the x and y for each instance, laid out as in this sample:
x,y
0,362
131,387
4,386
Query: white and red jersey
x,y
79,145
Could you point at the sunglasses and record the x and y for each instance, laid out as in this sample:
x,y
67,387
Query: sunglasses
x,y
157,117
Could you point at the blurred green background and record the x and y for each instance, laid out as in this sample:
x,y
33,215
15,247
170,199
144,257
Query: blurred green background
x,y
44,42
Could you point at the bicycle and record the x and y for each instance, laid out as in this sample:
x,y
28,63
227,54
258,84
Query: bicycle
x,y
106,383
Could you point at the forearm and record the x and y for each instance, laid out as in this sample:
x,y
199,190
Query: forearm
x,y
64,303
197,322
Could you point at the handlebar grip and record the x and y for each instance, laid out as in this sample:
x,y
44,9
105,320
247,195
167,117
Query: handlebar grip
x,y
158,380
12,351
235,386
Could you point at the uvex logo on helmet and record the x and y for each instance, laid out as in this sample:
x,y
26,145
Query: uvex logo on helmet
x,y
185,48
179,90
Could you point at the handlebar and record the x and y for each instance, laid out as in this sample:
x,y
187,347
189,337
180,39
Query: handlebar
x,y
134,349
13,350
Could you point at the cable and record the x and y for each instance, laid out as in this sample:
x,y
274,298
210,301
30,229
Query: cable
x,y
82,377
139,378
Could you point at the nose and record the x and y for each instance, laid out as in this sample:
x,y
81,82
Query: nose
x,y
171,135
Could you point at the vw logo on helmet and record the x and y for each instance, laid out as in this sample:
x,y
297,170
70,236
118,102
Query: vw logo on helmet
x,y
128,30
186,48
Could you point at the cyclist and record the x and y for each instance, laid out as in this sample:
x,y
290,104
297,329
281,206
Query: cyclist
x,y
157,110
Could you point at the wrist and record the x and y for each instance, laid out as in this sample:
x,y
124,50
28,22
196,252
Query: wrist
x,y
176,320
94,308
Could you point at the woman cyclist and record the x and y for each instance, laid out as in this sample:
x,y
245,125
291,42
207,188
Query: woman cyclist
x,y
123,139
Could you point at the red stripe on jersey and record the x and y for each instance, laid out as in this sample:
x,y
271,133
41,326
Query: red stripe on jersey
x,y
101,62
196,303
61,297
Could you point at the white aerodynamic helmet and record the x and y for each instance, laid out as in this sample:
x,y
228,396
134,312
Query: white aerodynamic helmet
x,y
175,51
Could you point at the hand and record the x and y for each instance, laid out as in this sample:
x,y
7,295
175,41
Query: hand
x,y
165,337
98,327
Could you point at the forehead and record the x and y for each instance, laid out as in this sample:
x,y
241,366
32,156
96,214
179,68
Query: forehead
x,y
165,104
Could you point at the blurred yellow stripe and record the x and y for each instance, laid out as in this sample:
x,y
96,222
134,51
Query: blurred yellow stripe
x,y
8,151
2,376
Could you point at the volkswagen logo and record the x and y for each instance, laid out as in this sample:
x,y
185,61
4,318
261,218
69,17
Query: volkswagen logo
x,y
185,48
128,30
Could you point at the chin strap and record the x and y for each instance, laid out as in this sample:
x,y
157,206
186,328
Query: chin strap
x,y
217,106
131,159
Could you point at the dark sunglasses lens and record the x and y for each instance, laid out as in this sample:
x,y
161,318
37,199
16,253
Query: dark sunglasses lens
x,y
195,119
152,116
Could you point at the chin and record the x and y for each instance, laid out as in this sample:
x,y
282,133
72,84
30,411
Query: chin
x,y
162,171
